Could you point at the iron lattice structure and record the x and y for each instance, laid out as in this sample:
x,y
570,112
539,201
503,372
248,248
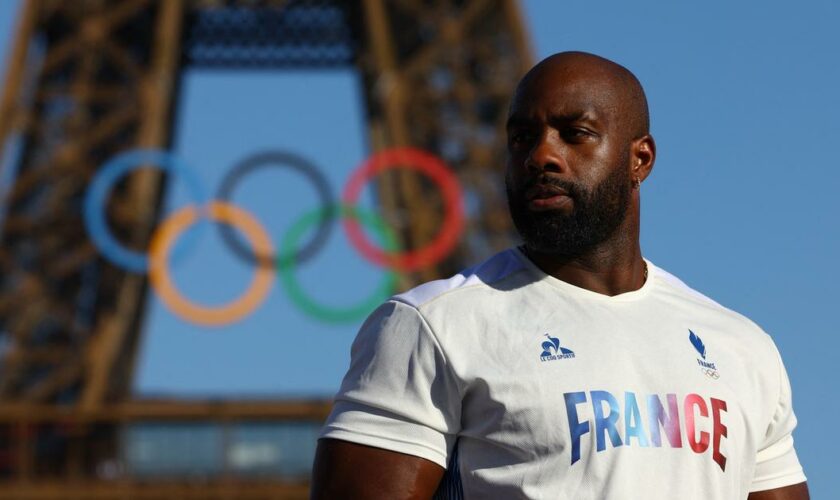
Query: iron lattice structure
x,y
91,78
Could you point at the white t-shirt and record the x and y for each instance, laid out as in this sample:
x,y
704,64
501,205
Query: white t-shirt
x,y
524,386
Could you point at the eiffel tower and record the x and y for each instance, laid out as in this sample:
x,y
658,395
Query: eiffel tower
x,y
89,79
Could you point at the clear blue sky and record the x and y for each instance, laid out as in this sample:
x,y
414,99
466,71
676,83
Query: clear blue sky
x,y
742,203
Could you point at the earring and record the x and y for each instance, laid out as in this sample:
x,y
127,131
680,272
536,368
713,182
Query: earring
x,y
637,183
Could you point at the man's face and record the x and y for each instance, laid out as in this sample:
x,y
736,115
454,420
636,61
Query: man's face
x,y
568,174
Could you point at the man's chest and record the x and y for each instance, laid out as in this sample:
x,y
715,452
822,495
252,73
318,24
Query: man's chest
x,y
597,389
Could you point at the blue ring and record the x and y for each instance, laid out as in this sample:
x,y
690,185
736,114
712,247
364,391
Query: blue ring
x,y
100,186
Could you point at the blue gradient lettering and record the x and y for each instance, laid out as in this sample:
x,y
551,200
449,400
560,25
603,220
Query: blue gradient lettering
x,y
605,423
576,427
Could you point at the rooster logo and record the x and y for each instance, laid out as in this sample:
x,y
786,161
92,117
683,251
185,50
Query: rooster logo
x,y
553,344
697,343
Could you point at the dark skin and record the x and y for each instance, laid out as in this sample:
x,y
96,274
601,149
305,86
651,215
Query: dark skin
x,y
567,121
577,117
357,472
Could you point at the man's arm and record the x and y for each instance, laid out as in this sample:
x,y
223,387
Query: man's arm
x,y
354,471
793,492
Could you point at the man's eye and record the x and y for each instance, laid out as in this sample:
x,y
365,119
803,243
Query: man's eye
x,y
576,133
520,137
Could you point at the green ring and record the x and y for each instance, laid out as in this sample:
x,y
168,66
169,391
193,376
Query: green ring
x,y
286,264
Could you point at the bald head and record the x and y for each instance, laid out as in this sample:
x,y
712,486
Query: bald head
x,y
608,84
578,150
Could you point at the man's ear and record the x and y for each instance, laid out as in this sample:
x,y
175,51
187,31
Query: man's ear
x,y
643,152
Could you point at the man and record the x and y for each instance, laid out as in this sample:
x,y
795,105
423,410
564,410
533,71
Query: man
x,y
570,367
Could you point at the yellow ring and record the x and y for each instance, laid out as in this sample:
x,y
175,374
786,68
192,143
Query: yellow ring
x,y
162,242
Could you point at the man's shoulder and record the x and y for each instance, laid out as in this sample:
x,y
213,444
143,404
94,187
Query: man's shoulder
x,y
679,290
482,276
678,287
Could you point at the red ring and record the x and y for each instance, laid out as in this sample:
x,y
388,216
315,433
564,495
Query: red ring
x,y
453,217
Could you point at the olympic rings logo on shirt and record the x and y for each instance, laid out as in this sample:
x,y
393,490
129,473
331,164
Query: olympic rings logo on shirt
x,y
713,374
261,251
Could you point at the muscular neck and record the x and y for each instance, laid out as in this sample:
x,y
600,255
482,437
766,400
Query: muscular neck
x,y
613,267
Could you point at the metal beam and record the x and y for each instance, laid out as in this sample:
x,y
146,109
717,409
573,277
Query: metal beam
x,y
91,78
10,109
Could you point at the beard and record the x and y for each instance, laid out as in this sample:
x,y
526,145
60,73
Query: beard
x,y
596,215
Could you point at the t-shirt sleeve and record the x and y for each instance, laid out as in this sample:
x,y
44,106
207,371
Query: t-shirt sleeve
x,y
399,393
776,462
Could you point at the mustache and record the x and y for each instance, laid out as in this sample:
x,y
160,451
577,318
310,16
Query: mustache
x,y
572,189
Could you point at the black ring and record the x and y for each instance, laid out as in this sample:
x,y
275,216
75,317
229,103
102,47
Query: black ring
x,y
277,159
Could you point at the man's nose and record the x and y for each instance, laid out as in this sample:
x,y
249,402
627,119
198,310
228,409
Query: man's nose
x,y
545,156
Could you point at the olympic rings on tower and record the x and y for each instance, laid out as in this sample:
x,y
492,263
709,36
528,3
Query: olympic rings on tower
x,y
283,160
97,193
262,249
296,292
453,218
165,236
